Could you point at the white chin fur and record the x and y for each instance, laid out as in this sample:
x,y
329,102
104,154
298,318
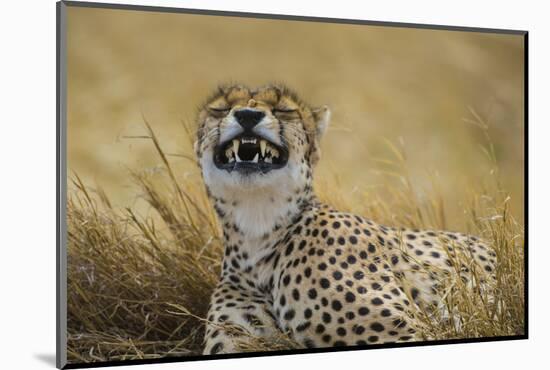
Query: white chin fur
x,y
261,198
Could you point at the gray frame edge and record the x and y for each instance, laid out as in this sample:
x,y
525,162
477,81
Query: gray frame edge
x,y
61,188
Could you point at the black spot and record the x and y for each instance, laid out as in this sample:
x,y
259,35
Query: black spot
x,y
399,323
312,293
289,315
363,255
385,312
325,284
358,329
363,311
350,297
286,280
377,327
372,248
351,259
372,267
373,338
337,275
336,225
411,236
341,331
350,315
303,326
353,239
307,272
322,266
216,348
358,275
418,252
296,294
320,328
394,260
336,305
435,254
339,343
326,318
341,240
377,301
308,313
289,248
414,293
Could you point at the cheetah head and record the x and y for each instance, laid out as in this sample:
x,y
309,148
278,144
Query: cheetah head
x,y
258,139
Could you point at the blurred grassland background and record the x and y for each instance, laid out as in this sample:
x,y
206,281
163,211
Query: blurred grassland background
x,y
417,89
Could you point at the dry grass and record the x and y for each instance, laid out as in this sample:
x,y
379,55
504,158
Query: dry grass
x,y
139,285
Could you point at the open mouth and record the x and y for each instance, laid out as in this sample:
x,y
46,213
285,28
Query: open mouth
x,y
249,153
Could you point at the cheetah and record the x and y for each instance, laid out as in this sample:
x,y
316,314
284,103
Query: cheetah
x,y
292,264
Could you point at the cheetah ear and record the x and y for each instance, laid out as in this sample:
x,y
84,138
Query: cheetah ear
x,y
321,116
322,119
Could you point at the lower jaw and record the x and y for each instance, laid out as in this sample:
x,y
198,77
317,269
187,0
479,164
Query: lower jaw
x,y
248,168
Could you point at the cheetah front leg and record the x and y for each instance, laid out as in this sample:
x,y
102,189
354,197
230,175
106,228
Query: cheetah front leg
x,y
235,317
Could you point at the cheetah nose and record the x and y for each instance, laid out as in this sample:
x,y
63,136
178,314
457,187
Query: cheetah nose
x,y
248,118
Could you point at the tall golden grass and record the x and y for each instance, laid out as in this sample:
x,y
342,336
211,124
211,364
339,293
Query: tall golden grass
x,y
139,284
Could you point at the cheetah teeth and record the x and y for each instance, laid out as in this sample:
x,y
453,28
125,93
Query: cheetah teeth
x,y
248,141
267,152
263,145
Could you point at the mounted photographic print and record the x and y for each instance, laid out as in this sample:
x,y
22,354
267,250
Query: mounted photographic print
x,y
235,184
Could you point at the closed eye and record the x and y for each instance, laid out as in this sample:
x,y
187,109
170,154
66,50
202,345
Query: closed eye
x,y
281,110
221,109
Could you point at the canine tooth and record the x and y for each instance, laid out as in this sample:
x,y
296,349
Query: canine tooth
x,y
228,152
256,157
237,158
263,146
275,153
267,160
236,147
231,160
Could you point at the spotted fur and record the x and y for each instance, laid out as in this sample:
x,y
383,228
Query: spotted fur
x,y
295,265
